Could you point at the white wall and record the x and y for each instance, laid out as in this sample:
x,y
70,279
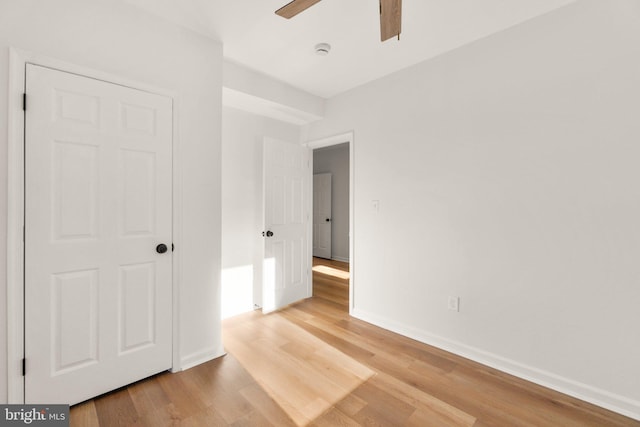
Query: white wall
x,y
242,205
109,36
507,174
335,160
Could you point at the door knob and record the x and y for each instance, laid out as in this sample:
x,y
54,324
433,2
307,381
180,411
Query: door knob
x,y
328,219
269,233
161,248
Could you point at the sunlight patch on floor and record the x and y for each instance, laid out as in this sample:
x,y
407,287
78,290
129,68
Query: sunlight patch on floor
x,y
330,271
302,373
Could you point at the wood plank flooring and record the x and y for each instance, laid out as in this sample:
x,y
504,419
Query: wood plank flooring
x,y
302,373
414,384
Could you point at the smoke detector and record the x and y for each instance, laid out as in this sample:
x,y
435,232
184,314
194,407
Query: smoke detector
x,y
323,49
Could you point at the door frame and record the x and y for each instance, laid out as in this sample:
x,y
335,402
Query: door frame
x,y
347,137
18,60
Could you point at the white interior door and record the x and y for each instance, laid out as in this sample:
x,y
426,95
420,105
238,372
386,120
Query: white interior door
x,y
322,215
98,294
286,196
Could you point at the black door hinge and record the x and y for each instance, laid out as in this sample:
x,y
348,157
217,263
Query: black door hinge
x,y
24,102
24,367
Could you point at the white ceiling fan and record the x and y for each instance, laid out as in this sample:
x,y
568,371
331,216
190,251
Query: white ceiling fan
x,y
390,15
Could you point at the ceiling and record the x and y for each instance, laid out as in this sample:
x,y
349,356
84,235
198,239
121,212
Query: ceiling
x,y
254,36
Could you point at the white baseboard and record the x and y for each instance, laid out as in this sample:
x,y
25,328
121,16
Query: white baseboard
x,y
587,393
339,258
198,358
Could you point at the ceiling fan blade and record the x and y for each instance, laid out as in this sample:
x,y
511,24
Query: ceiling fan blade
x,y
390,18
295,7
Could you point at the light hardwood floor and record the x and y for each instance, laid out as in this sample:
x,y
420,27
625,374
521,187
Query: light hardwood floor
x,y
414,384
302,373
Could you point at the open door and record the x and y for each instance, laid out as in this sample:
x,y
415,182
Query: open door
x,y
286,222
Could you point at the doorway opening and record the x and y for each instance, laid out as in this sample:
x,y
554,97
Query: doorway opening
x,y
332,224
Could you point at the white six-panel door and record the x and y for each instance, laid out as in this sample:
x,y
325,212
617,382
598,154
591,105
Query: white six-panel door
x,y
286,192
322,215
98,296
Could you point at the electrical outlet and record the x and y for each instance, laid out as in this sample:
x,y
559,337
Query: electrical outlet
x,y
454,304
